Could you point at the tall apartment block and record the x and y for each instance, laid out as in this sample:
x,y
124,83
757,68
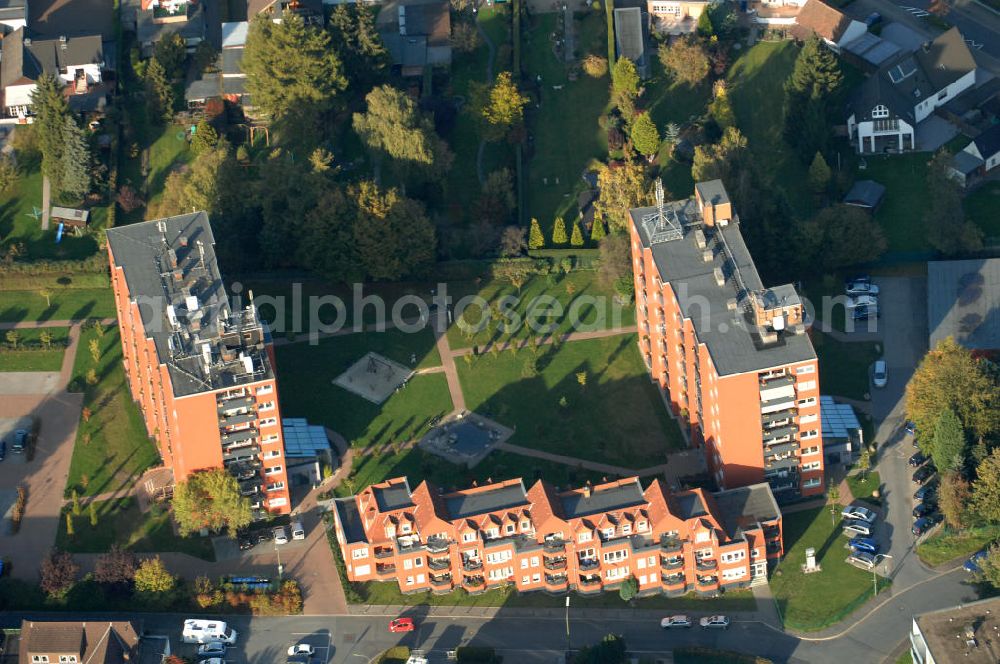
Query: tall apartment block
x,y
588,539
731,356
201,371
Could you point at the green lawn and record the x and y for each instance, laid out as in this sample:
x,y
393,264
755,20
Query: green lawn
x,y
616,418
120,522
36,360
66,304
948,544
118,450
581,299
563,122
843,367
981,206
815,601
905,658
305,372
901,214
862,488
167,150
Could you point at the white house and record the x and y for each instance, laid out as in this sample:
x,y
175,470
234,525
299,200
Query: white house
x,y
832,26
675,17
77,61
886,109
979,157
775,13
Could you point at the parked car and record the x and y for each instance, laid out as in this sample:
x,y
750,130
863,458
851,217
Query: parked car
x,y
3,450
924,509
20,441
926,491
852,528
212,649
298,530
856,288
246,543
301,649
972,564
863,559
925,523
675,621
856,301
864,313
280,535
262,536
865,544
213,660
910,428
921,474
859,513
880,375
714,622
857,279
918,459
401,625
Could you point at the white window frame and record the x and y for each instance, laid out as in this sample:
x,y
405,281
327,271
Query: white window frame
x,y
469,536
358,554
265,389
807,385
273,470
881,111
811,482
806,369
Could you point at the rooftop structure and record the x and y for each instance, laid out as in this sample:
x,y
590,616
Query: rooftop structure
x,y
965,633
97,642
963,301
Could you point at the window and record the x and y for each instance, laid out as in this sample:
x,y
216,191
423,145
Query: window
x,y
272,454
273,470
942,94
584,537
268,405
616,573
812,433
807,369
642,526
525,580
809,401
608,533
535,578
390,531
363,570
418,562
358,554
808,419
702,536
807,385
812,465
651,561
641,563
407,563
469,536
404,528
270,438
811,482
498,557
269,422
493,533
810,450
420,578
500,574
409,580
275,486
732,557
524,563
733,574
525,525
39,658
534,561
702,554
879,112
266,389
626,528
615,556
509,529
643,580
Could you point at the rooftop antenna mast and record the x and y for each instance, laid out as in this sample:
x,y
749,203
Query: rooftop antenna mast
x,y
662,225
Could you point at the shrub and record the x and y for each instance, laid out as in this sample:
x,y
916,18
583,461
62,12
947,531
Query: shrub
x,y
595,66
17,514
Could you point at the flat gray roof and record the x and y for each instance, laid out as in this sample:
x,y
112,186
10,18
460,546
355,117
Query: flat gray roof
x,y
746,506
963,301
965,633
394,497
576,504
350,519
461,505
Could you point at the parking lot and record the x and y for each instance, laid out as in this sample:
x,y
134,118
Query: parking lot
x,y
267,642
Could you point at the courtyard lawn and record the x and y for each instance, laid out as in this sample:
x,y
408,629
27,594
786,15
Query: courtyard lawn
x,y
947,544
306,373
594,308
983,207
119,522
119,450
862,487
168,149
616,418
901,214
36,360
811,602
844,367
563,122
66,304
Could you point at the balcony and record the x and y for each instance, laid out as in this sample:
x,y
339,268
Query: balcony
x,y
554,545
778,434
780,448
384,570
708,581
555,579
474,581
675,562
443,580
249,487
790,462
235,403
438,544
244,470
671,544
706,565
780,416
776,404
589,563
672,579
590,580
555,563
783,483
384,553
472,564
439,563
776,381
244,453
408,543
237,437
237,419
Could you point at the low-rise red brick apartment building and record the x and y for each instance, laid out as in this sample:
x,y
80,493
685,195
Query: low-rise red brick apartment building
x,y
730,356
587,539
201,371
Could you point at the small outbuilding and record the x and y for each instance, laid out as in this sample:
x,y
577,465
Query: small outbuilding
x,y
70,217
866,194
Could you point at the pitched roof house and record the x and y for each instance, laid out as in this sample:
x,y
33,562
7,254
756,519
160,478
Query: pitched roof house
x,y
831,25
979,157
228,80
886,108
675,17
158,18
417,33
78,642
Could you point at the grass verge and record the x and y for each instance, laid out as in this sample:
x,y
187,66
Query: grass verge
x,y
65,304
843,367
948,544
40,359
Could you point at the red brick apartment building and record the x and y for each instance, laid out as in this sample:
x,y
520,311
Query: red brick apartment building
x,y
588,539
201,372
731,356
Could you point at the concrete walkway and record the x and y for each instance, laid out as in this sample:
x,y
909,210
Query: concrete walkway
x,y
521,344
36,324
46,195
450,370
582,463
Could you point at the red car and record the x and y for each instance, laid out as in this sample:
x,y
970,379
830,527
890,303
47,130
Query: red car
x,y
401,625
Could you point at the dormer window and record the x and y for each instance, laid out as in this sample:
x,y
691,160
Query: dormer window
x,y
510,528
404,528
390,531
525,525
880,112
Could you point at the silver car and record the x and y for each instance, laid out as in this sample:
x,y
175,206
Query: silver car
x,y
280,535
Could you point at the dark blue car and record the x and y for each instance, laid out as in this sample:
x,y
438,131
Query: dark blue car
x,y
972,564
865,544
924,523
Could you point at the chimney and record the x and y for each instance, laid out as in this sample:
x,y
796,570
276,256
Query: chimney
x,y
699,238
62,42
720,278
586,490
707,255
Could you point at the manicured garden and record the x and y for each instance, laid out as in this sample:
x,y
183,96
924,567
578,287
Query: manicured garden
x,y
625,423
907,198
64,304
112,448
981,207
844,367
811,602
948,544
863,484
36,357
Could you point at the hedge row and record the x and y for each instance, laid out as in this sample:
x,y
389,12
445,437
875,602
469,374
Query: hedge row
x,y
33,347
53,281
96,263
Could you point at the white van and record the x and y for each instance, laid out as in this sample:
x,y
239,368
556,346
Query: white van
x,y
203,631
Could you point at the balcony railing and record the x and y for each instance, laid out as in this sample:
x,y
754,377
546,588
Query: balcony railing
x,y
383,553
472,565
474,581
589,580
249,487
779,416
555,563
706,565
235,403
672,579
671,544
438,544
708,580
240,453
671,563
788,462
439,563
555,579
444,580
385,569
554,545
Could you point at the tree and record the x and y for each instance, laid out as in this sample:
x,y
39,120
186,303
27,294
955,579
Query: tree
x,y
949,376
152,577
210,499
92,508
464,37
8,172
576,237
685,60
559,232
516,272
581,378
70,532
394,129
117,567
393,236
75,503
954,497
620,188
47,294
616,260
629,589
502,110
721,160
496,203
721,109
611,650
13,337
819,175
840,236
94,347
948,230
625,78
45,337
597,231
202,186
645,136
535,238
512,241
989,567
810,98
704,27
949,443
864,463
205,137
75,170
986,488
291,65
595,66
671,133
170,51
159,92
49,128
57,573
353,33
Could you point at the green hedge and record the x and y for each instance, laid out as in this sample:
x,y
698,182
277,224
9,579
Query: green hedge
x,y
609,9
53,281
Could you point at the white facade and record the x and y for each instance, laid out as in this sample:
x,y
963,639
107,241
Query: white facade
x,y
881,127
17,99
942,97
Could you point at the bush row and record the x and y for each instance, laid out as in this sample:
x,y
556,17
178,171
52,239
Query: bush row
x,y
33,347
96,263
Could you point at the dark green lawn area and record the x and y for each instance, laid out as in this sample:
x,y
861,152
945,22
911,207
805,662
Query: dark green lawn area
x,y
306,372
948,544
168,149
843,367
983,207
863,486
562,122
66,304
617,418
584,304
811,602
756,81
901,214
120,522
35,360
119,449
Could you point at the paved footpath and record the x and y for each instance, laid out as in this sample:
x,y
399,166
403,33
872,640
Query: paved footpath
x,y
36,324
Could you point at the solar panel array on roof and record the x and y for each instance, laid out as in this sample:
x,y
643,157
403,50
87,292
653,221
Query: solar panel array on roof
x,y
872,49
901,71
838,419
303,440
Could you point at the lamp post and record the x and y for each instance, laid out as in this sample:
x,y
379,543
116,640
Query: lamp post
x,y
567,624
885,556
280,568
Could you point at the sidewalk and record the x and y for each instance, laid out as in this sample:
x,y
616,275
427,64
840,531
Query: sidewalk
x,y
35,324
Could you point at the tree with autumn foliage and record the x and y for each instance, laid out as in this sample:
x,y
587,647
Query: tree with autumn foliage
x,y
621,188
